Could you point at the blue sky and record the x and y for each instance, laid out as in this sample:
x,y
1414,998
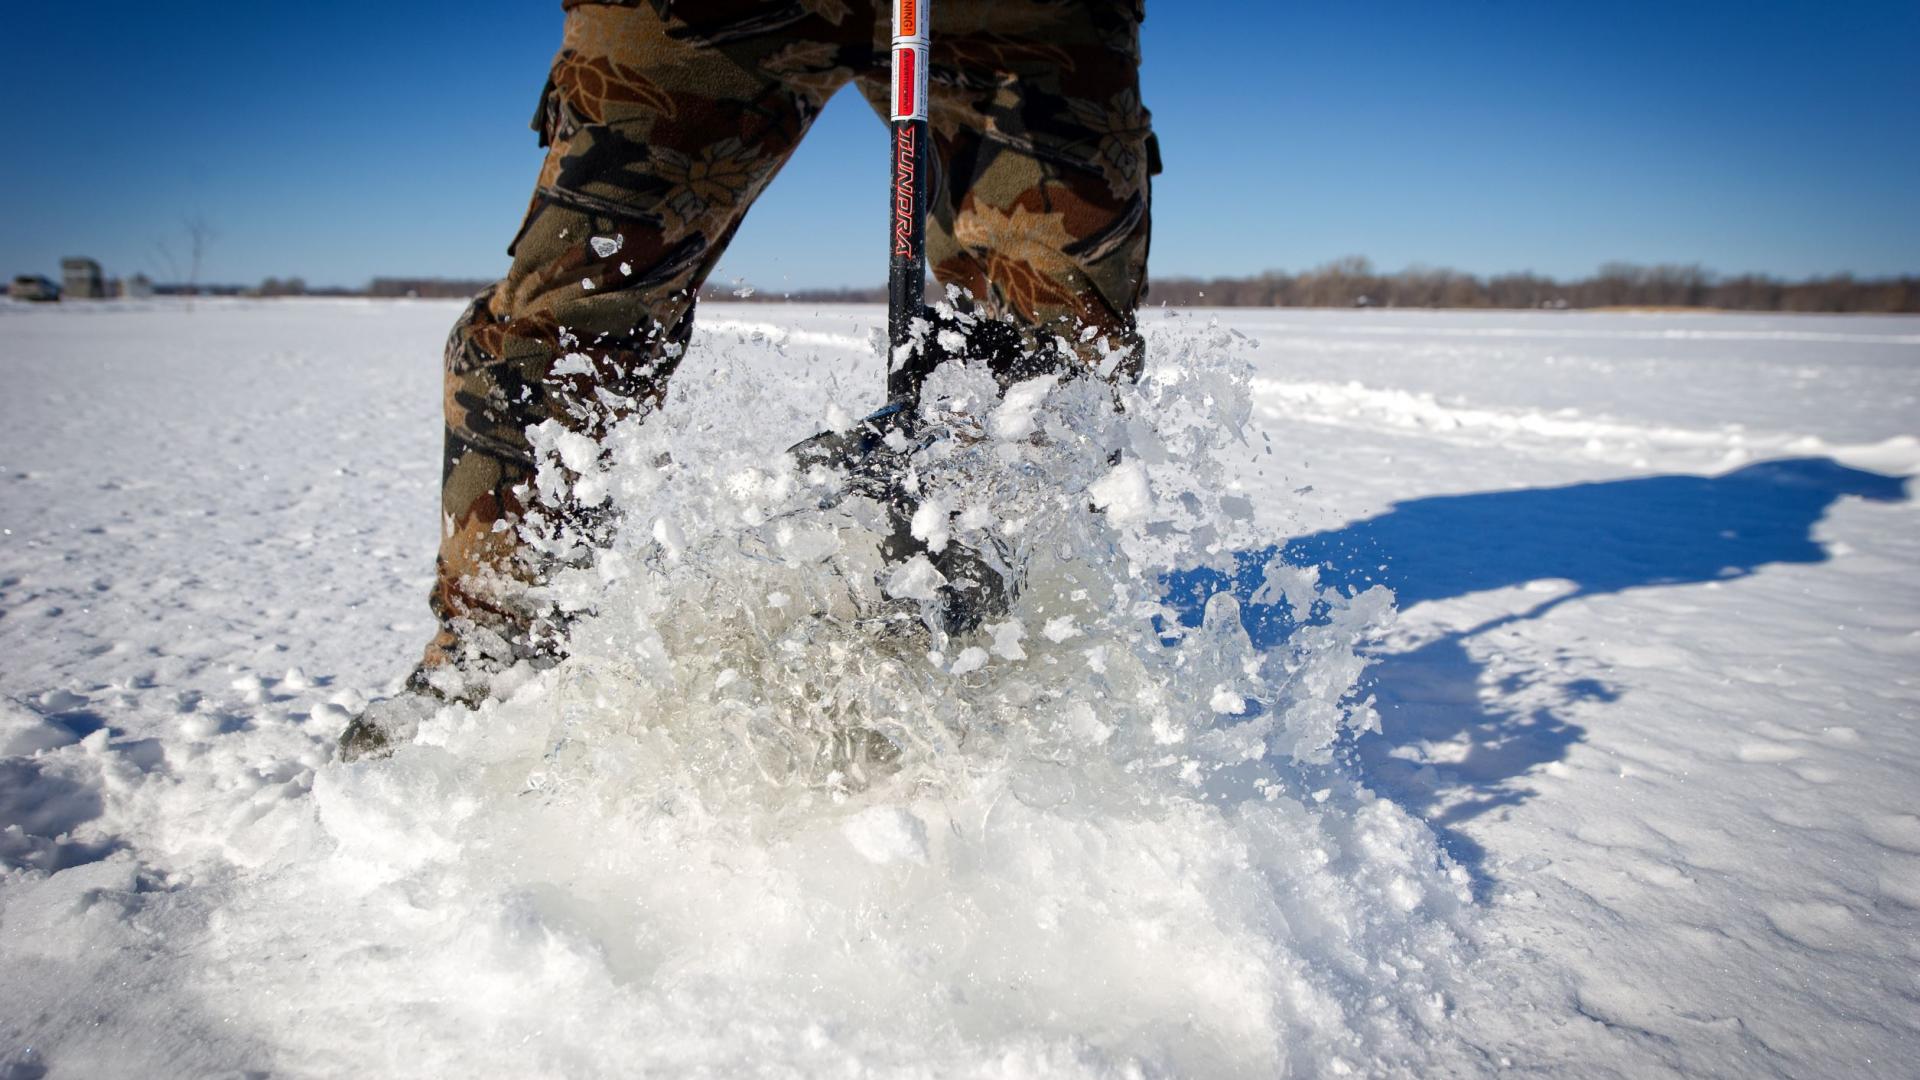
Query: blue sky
x,y
346,139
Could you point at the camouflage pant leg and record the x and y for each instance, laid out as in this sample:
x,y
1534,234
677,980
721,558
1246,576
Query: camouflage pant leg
x,y
658,142
1042,206
664,121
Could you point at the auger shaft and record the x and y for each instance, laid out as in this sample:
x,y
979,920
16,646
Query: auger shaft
x,y
913,165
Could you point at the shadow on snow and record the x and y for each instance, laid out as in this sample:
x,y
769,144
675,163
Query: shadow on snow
x,y
1603,538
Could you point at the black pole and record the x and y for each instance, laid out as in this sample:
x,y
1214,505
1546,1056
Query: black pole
x,y
907,200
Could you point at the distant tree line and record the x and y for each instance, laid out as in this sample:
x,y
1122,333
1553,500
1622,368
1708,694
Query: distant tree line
x,y
1353,282
1348,282
426,288
876,294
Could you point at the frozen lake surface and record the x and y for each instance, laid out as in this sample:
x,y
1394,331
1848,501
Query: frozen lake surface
x,y
1627,789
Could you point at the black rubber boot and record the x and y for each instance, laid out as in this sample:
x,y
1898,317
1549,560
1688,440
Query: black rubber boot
x,y
874,455
384,724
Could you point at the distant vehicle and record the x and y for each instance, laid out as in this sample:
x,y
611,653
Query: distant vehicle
x,y
34,287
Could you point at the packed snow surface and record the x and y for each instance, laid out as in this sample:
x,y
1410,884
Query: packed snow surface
x,y
1389,694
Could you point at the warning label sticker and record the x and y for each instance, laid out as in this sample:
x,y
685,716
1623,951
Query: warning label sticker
x,y
909,82
908,18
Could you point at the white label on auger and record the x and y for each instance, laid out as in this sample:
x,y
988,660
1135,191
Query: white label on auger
x,y
910,22
909,82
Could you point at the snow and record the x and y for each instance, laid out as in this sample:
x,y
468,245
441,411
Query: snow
x,y
1014,417
971,659
884,834
1623,786
1123,493
915,579
929,526
1006,639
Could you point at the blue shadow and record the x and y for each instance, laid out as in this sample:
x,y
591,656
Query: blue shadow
x,y
1602,538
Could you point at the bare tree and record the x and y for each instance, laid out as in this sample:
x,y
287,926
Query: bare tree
x,y
200,236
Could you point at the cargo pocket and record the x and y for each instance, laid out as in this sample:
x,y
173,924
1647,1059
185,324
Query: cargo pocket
x,y
552,121
544,118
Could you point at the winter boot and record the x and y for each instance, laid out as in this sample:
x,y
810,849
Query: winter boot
x,y
875,455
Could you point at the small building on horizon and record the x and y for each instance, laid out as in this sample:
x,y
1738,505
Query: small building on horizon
x,y
137,287
80,279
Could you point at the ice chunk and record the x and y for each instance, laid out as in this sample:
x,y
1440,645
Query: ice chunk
x,y
1006,639
1124,493
1014,419
887,834
671,538
577,451
929,525
915,579
573,363
1086,724
971,659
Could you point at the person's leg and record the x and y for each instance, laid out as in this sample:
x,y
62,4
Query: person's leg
x,y
1041,209
661,134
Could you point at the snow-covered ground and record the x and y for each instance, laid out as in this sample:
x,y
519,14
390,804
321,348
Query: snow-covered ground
x,y
1648,721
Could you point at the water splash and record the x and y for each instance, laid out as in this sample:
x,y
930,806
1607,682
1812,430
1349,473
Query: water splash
x,y
763,814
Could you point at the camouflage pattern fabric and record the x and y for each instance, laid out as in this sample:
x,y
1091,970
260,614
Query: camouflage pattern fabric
x,y
664,120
